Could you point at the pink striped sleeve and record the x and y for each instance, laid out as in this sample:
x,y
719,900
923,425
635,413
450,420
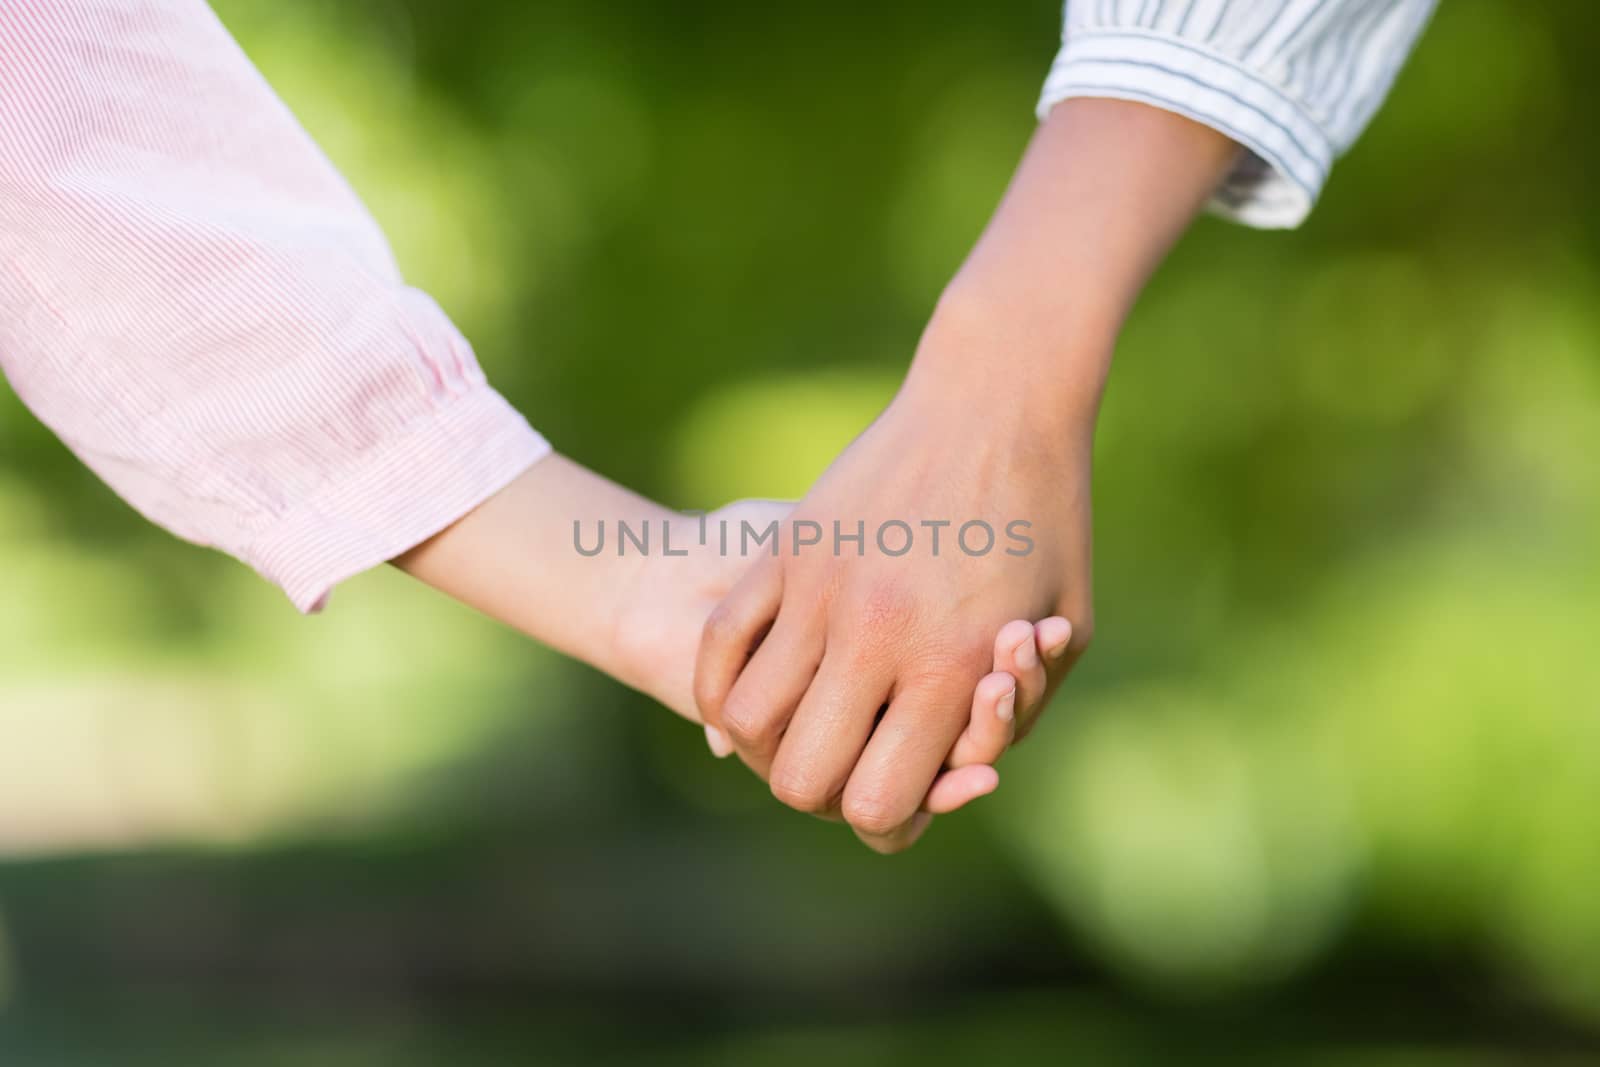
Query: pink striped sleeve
x,y
196,302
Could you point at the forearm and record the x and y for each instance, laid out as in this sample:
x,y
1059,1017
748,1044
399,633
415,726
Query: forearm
x,y
514,558
1104,191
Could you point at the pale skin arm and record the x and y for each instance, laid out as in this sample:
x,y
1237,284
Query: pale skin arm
x,y
513,559
995,420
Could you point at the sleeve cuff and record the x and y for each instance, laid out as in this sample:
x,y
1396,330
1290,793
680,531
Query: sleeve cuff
x,y
396,496
1276,181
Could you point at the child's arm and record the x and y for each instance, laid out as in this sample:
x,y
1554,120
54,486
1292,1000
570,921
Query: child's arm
x,y
514,559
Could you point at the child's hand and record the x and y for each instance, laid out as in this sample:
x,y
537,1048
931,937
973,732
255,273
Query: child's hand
x,y
1015,690
663,610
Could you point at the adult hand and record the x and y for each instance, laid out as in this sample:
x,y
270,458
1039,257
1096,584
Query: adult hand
x,y
955,512
993,425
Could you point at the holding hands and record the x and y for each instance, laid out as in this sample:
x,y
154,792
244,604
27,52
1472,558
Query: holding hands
x,y
638,616
265,382
919,605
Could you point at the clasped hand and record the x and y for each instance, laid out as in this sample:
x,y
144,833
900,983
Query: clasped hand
x,y
842,669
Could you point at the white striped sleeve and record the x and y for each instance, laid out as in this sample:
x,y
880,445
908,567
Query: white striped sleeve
x,y
1293,81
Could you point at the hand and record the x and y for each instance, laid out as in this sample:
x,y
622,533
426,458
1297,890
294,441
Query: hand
x,y
659,620
995,424
910,633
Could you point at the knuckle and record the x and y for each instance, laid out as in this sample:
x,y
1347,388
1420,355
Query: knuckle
x,y
710,692
872,814
746,724
801,792
721,626
708,698
741,731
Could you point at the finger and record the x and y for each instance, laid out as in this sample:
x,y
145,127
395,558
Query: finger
x,y
731,633
763,699
958,788
829,730
1052,636
992,723
992,726
1054,639
1016,651
906,752
718,743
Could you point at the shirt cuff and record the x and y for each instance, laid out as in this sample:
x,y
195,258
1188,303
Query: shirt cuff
x,y
397,495
1275,182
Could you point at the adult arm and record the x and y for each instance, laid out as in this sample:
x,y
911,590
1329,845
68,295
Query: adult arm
x,y
1152,111
1294,82
994,424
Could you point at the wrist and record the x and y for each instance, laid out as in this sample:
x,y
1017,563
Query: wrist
x,y
1011,360
515,557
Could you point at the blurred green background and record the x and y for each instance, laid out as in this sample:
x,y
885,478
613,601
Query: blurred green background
x,y
1325,791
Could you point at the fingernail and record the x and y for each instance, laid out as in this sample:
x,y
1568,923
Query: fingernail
x,y
1007,707
1026,655
718,742
1057,647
